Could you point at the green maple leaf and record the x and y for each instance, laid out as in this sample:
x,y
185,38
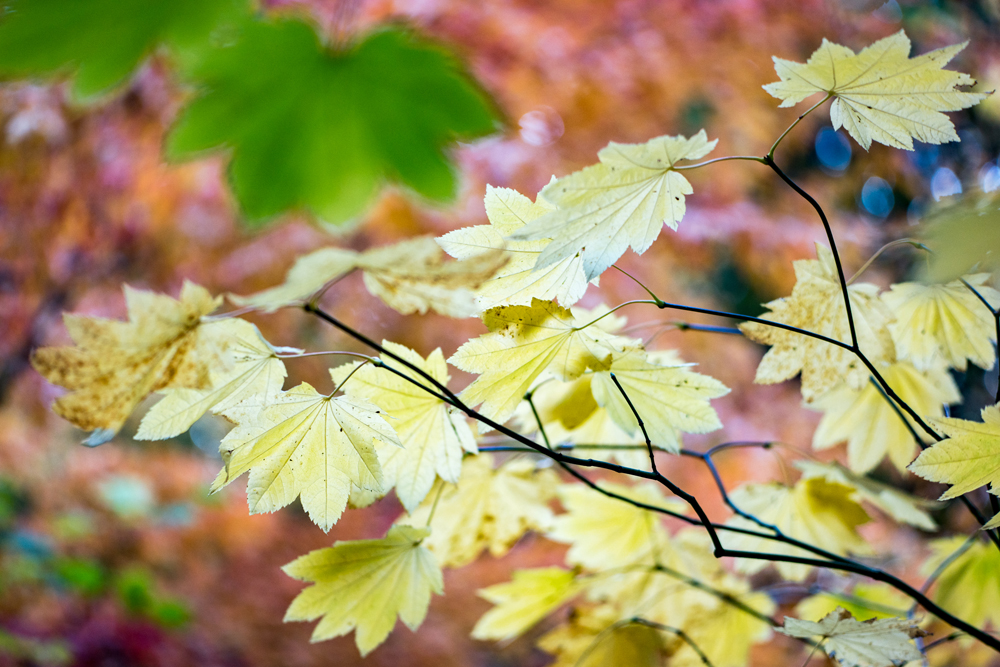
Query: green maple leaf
x,y
320,129
101,42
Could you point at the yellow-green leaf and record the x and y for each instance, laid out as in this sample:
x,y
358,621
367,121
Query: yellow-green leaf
x,y
607,533
517,283
488,509
881,94
528,598
307,445
668,398
815,511
866,419
968,459
522,343
944,322
817,304
253,372
622,201
433,435
363,585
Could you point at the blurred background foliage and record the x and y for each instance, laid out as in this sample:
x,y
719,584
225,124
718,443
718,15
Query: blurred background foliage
x,y
116,556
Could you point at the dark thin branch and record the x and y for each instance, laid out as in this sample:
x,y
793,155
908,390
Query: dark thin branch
x,y
683,636
529,397
642,427
769,161
719,550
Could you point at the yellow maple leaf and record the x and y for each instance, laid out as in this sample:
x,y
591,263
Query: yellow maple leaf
x,y
874,600
877,642
363,585
622,201
867,421
520,603
253,372
596,637
517,283
522,343
607,533
814,511
668,398
970,586
307,445
306,277
488,509
434,435
944,322
900,506
817,304
410,276
881,94
968,459
114,365
724,632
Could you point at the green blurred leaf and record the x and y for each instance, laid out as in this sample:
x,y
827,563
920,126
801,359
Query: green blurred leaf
x,y
170,613
102,41
81,575
135,590
319,129
964,234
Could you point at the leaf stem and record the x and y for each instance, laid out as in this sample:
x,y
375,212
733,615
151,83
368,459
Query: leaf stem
x,y
770,154
726,158
878,253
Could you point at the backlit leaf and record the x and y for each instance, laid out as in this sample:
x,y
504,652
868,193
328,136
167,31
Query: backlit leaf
x,y
881,94
434,436
488,509
877,642
517,283
815,511
363,585
307,445
816,304
622,201
528,598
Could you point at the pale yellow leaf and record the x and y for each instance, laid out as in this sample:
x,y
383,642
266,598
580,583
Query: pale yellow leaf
x,y
668,398
877,642
816,304
724,632
522,343
881,94
528,598
412,277
114,365
253,371
607,533
434,435
306,277
488,509
517,283
363,585
595,637
944,322
865,418
970,586
307,445
622,201
866,600
968,459
814,511
900,506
